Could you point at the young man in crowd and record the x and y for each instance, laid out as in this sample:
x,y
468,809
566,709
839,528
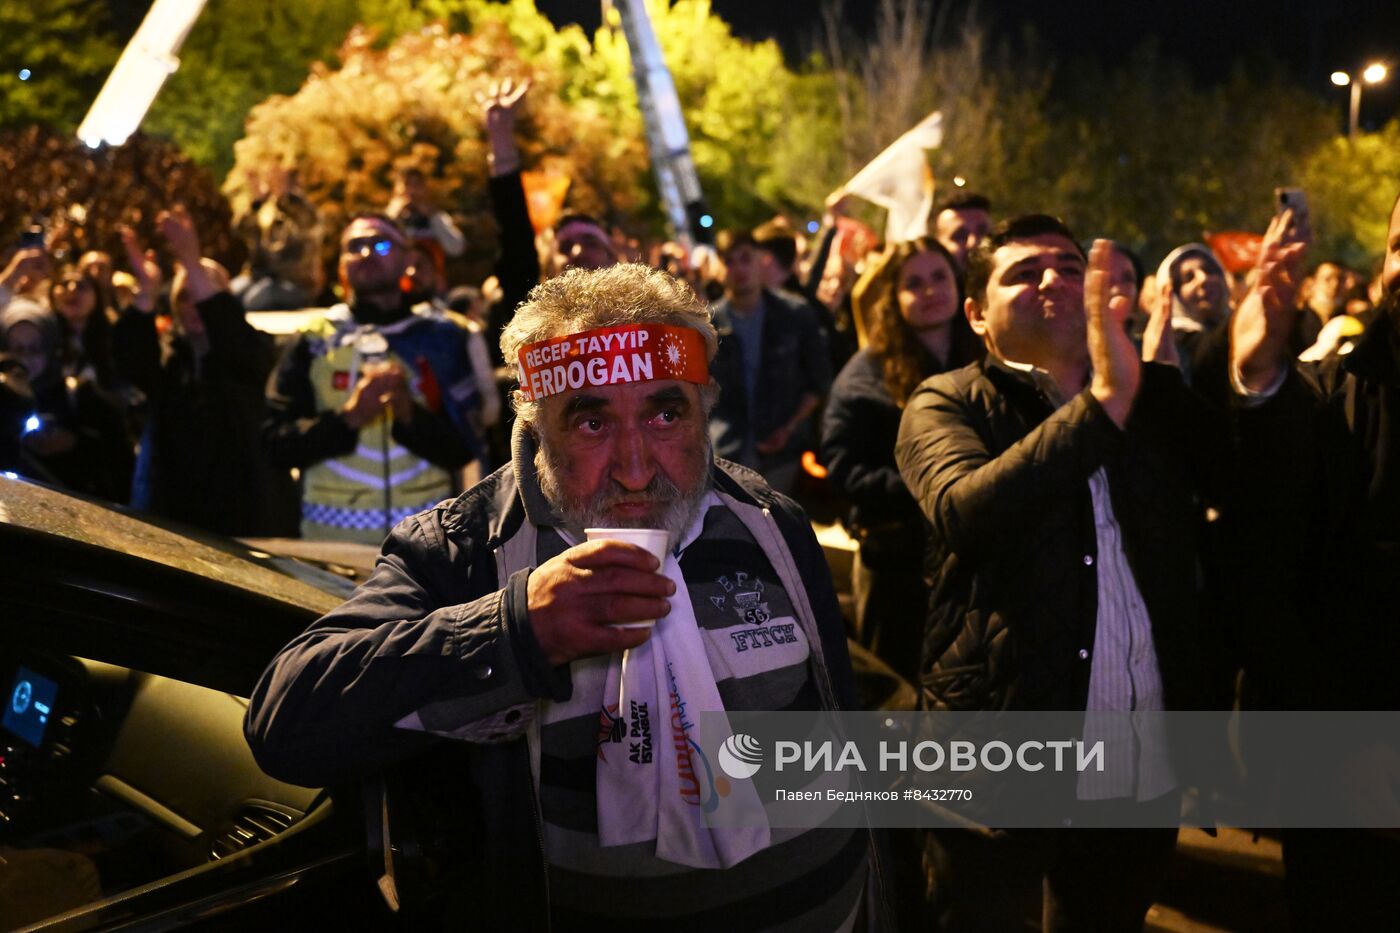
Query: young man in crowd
x,y
961,223
772,368
1059,475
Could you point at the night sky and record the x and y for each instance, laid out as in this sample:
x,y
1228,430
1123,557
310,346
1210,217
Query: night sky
x,y
1309,38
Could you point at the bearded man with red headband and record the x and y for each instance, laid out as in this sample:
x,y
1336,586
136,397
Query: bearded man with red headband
x,y
483,667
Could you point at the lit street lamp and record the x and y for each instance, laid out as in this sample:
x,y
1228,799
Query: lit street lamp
x,y
1374,73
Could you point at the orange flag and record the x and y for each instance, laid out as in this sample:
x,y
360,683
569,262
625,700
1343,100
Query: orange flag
x,y
544,197
1236,250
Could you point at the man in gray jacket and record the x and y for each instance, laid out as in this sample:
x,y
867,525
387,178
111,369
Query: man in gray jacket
x,y
483,672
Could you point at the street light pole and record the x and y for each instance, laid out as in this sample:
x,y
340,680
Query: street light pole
x,y
1355,123
1374,73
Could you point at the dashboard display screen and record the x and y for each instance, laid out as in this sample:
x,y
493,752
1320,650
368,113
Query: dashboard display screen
x,y
28,706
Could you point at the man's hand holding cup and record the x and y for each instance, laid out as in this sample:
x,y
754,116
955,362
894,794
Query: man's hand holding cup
x,y
600,597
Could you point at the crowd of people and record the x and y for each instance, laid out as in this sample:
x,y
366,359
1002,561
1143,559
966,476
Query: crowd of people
x,y
1072,485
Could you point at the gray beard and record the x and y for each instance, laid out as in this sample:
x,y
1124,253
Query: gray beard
x,y
678,509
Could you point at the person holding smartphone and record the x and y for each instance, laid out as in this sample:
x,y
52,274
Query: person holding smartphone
x,y
1321,446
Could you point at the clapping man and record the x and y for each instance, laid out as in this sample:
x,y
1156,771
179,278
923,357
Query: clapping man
x,y
1059,475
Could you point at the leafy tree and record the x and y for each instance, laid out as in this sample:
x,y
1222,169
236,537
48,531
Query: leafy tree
x,y
737,99
916,60
1351,185
582,117
348,129
240,52
1140,153
1146,157
62,48
747,113
81,196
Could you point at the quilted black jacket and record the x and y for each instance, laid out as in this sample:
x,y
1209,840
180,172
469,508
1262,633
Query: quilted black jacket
x,y
1003,477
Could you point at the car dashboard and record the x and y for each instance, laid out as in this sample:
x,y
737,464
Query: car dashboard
x,y
115,782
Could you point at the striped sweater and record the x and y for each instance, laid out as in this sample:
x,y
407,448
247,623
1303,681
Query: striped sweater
x,y
807,880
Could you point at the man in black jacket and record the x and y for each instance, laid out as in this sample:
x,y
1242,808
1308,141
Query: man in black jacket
x,y
1321,448
491,621
1059,476
201,459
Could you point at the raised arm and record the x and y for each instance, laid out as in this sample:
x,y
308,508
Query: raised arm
x,y
518,268
1259,346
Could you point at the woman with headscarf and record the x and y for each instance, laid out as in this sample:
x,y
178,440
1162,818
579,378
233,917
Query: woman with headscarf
x,y
1195,293
911,306
76,436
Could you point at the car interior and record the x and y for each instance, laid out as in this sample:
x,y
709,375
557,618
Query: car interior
x,y
117,784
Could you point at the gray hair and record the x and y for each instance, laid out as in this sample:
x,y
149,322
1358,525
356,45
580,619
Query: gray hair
x,y
585,299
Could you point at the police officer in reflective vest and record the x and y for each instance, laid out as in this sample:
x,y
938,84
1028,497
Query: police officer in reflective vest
x,y
371,402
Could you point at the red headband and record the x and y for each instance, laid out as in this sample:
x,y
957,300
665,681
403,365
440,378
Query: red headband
x,y
612,356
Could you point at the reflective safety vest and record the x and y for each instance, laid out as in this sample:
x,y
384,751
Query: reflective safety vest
x,y
361,495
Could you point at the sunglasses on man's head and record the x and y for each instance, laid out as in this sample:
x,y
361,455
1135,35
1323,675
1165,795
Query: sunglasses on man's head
x,y
364,245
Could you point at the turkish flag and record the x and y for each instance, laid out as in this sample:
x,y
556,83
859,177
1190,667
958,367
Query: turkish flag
x,y
1236,250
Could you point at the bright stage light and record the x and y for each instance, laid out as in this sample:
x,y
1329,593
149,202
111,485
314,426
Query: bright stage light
x,y
145,63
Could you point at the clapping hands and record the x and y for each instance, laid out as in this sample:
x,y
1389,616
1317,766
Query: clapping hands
x,y
1117,370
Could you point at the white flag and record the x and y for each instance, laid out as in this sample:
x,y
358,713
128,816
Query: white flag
x,y
899,180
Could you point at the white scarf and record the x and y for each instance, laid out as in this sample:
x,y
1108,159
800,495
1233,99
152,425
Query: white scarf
x,y
675,796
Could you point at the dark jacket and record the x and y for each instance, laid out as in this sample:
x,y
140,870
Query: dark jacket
x,y
1321,530
794,363
859,428
1003,476
433,623
201,458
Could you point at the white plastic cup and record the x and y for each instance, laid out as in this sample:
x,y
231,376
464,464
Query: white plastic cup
x,y
651,540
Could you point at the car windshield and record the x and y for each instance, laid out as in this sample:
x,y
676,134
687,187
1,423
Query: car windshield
x,y
37,508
